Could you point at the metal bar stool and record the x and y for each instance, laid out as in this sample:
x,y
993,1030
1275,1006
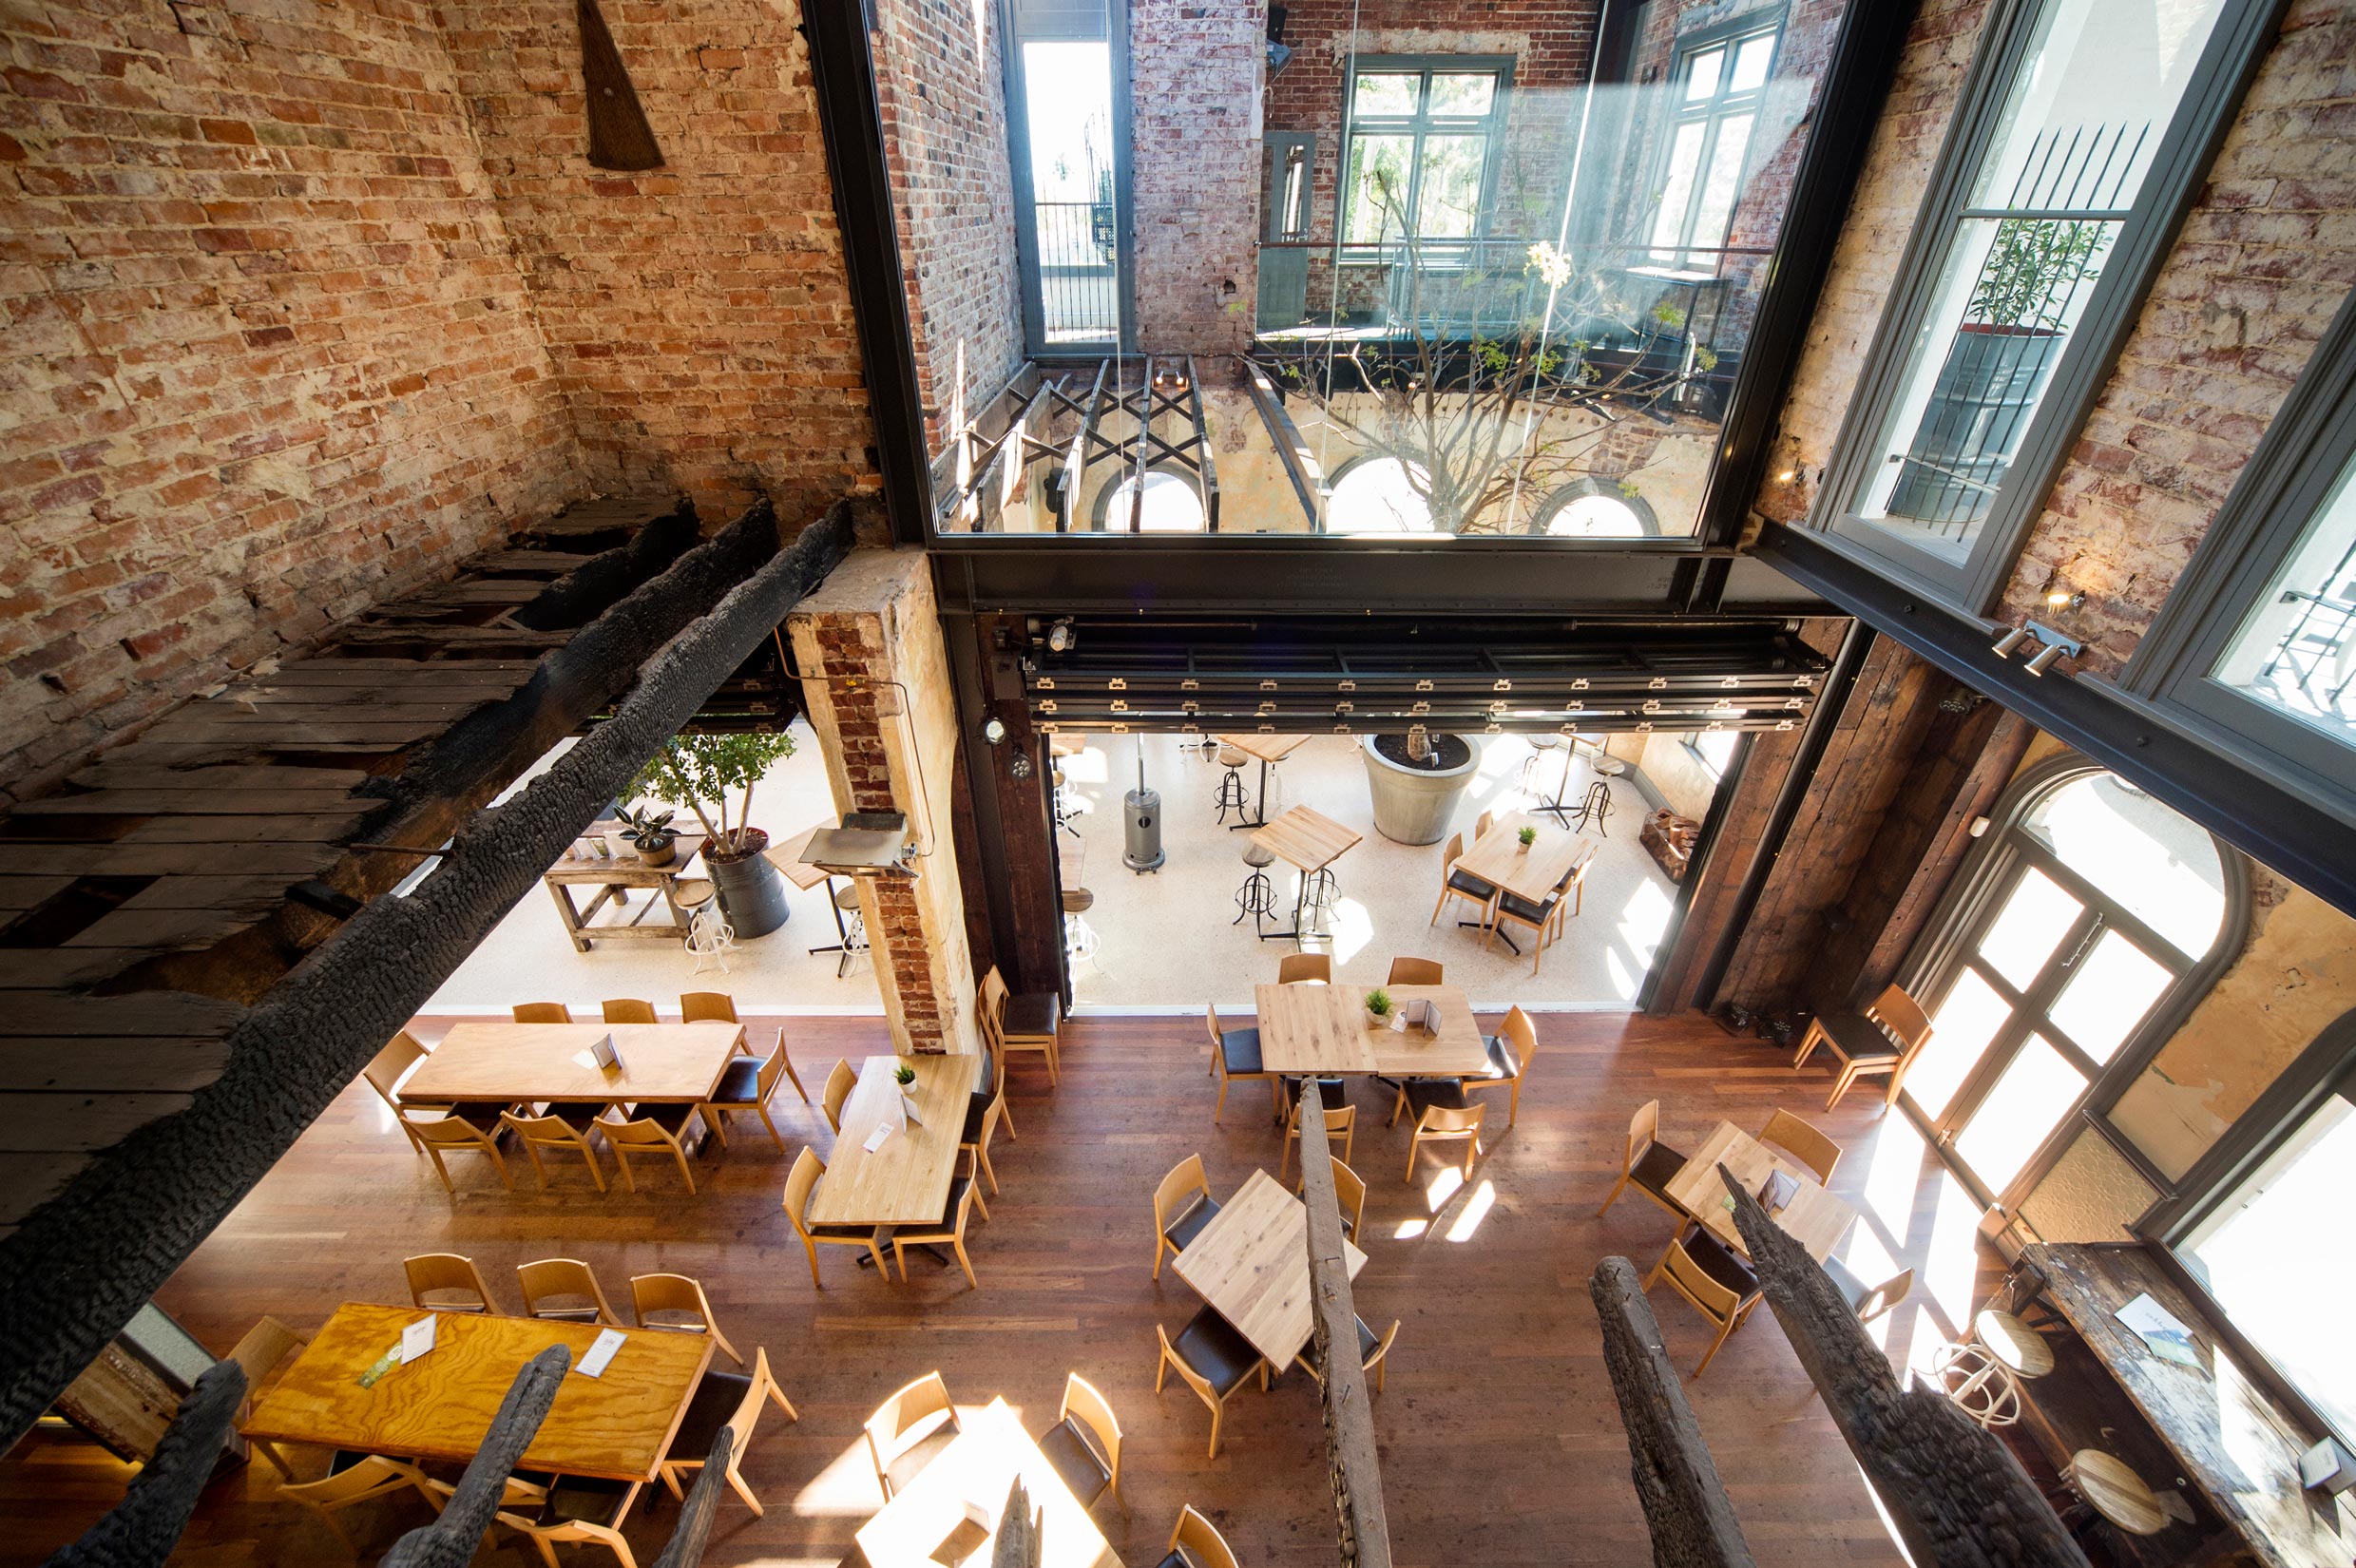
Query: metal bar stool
x,y
2107,1488
1318,896
1976,1384
1258,896
1542,760
1081,940
1231,796
1592,809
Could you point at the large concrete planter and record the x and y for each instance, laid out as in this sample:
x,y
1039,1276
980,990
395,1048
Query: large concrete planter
x,y
751,894
1415,805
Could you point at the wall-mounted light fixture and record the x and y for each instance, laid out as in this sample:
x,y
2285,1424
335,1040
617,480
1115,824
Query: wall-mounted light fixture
x,y
1060,636
2051,647
2065,597
994,731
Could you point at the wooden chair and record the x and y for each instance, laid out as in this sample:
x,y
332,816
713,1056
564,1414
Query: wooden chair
x,y
1350,1194
1437,1124
445,1275
257,1354
909,1431
578,1508
838,1086
564,1290
1482,825
1236,1053
1543,921
1868,1301
1803,1143
676,1304
655,1128
1213,1359
1182,1206
719,1008
1197,1544
1341,1126
1511,1051
1464,885
994,1089
733,1399
807,1168
354,1479
951,1229
1720,1286
1416,971
1373,1353
388,1067
542,1012
1882,1041
1026,1022
1084,1442
746,1086
1648,1164
629,1010
446,1135
981,1121
552,1131
1305,970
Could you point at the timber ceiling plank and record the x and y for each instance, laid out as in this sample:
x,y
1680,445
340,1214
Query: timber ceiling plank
x,y
30,1180
167,1062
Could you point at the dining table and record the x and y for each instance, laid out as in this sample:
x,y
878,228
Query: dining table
x,y
947,1517
1814,1217
1266,749
1532,875
613,1426
904,1179
1251,1263
653,1063
1309,841
1323,1031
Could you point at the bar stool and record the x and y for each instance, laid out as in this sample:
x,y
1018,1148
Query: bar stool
x,y
1081,940
855,927
1534,766
2023,1349
691,893
1593,808
1318,896
2112,1491
1258,896
1231,796
1976,1384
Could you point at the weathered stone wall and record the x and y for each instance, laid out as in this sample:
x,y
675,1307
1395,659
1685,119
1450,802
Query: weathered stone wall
x,y
268,355
1194,171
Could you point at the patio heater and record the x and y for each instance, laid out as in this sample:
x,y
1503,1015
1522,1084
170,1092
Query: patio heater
x,y
1142,839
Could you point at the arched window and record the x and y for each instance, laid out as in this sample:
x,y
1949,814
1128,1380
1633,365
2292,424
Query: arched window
x,y
1376,495
1171,504
1595,509
2089,920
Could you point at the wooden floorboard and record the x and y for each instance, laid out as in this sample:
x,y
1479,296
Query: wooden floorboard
x,y
1500,1439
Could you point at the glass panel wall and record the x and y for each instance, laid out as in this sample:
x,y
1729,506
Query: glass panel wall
x,y
2295,652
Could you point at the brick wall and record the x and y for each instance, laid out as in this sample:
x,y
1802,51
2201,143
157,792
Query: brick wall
x,y
943,99
698,315
268,357
1195,72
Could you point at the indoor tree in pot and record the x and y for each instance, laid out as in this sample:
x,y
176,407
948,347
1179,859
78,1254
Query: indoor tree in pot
x,y
697,771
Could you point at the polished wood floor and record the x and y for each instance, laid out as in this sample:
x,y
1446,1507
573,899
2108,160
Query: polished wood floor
x,y
1501,1441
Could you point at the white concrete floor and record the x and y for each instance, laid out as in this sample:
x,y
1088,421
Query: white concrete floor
x,y
1169,940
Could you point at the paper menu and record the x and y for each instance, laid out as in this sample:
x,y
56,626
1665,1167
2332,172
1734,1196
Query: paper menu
x,y
877,1139
417,1339
601,1352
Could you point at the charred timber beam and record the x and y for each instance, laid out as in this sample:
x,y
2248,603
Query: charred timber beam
x,y
1685,1504
1957,1495
84,1262
1076,460
1355,1466
141,1531
581,595
452,1540
1299,464
1019,1539
686,1548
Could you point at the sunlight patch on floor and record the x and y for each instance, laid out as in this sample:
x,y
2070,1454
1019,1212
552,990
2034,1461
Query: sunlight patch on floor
x,y
846,1488
1952,1262
1476,1210
1442,1187
1893,1175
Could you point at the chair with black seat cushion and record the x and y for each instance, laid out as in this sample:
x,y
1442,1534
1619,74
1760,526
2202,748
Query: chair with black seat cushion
x,y
733,1399
1868,1301
1197,1544
542,1012
839,1083
719,1008
1883,1040
1236,1053
1436,1121
676,1304
354,1479
1510,1050
981,1121
1333,1106
1084,1442
1803,1142
578,1508
1721,1287
799,1182
1182,1206
745,1085
1648,1164
1213,1359
1350,1194
951,1228
1373,1353
1305,970
1022,1022
1464,885
629,1009
536,1132
909,1431
463,1127
655,1129
1417,972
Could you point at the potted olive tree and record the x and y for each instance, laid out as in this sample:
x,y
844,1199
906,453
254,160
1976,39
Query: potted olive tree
x,y
699,771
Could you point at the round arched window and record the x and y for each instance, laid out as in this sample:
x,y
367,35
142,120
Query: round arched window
x,y
1169,504
1595,509
1377,495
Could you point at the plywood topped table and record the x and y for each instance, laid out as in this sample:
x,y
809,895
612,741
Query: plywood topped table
x,y
1268,749
974,1472
907,1181
1814,1217
1310,841
1321,1031
663,1064
616,1427
1251,1263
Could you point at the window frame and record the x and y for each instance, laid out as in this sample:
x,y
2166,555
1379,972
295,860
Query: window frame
x,y
1492,125
2299,463
1014,92
1563,496
2211,100
1729,35
1691,741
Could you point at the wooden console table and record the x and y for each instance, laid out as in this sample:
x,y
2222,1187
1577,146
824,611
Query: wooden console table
x,y
612,879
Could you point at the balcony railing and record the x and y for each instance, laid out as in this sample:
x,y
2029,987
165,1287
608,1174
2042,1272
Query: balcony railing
x,y
1079,285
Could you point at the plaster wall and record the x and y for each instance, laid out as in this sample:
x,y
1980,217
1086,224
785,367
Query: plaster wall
x,y
1684,785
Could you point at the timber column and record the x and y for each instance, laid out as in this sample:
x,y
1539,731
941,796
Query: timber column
x,y
875,677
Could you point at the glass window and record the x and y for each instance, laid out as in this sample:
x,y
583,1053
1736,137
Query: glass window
x,y
1710,145
1378,495
1420,153
1067,115
2085,112
1596,508
1713,750
1167,504
2295,650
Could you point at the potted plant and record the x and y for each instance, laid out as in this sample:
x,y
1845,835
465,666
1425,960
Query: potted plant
x,y
906,1076
649,832
1527,836
1378,1005
1415,780
697,771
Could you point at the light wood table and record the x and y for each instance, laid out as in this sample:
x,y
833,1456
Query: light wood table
x,y
612,879
974,1471
1251,1263
1310,841
1321,1031
907,1181
1814,1217
662,1063
616,1427
1496,857
1267,749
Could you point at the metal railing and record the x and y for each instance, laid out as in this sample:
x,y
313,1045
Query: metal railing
x,y
1079,281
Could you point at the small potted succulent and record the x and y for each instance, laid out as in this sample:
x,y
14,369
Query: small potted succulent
x,y
906,1076
1378,1006
1529,836
650,832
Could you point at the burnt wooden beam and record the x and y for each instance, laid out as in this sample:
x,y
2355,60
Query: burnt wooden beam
x,y
1354,1463
141,1531
694,1529
1300,464
1076,459
1956,1495
84,1261
452,1538
1020,1540
1685,1504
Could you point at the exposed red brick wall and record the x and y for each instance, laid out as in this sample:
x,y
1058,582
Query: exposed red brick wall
x,y
1195,133
942,87
268,357
698,315
2266,256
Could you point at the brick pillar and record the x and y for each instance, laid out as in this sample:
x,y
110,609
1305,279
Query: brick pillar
x,y
876,681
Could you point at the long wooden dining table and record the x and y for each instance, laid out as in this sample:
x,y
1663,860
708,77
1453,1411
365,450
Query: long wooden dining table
x,y
656,1063
1322,1031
